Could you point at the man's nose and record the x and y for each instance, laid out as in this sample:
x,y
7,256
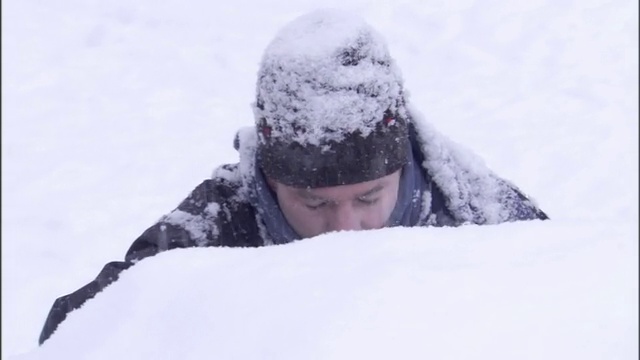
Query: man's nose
x,y
344,218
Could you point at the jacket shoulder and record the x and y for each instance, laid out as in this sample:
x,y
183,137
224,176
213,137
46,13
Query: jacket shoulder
x,y
217,212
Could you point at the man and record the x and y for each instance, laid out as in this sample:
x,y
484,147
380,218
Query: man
x,y
335,147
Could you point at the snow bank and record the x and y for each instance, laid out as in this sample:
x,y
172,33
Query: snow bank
x,y
531,290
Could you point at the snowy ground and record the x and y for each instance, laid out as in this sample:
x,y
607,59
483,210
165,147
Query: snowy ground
x,y
501,292
113,111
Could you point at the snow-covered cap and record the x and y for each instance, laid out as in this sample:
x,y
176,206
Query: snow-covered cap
x,y
329,103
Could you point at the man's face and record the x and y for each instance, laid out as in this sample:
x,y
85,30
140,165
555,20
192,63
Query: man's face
x,y
360,206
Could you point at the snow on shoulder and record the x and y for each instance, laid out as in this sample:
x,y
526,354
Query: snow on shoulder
x,y
529,290
326,70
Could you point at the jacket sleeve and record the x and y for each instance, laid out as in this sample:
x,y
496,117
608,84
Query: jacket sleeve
x,y
525,209
514,203
65,304
193,223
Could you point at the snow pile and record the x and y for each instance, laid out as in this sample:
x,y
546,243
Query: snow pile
x,y
114,111
529,290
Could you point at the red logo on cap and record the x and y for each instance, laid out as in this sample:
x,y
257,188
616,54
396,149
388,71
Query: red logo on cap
x,y
389,120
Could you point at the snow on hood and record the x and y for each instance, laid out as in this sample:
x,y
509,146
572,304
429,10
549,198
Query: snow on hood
x,y
329,73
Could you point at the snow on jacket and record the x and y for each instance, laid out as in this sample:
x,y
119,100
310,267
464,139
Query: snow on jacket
x,y
219,212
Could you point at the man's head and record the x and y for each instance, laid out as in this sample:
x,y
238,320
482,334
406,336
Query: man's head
x,y
361,206
331,123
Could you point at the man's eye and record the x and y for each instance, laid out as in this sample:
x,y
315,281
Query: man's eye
x,y
367,201
315,206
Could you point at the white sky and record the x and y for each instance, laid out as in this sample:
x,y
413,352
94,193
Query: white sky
x,y
113,112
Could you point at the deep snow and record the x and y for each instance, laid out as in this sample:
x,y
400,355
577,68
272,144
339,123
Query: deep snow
x,y
112,112
517,291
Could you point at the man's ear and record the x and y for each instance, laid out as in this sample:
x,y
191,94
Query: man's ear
x,y
272,184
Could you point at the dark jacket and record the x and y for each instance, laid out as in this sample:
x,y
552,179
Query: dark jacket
x,y
219,211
